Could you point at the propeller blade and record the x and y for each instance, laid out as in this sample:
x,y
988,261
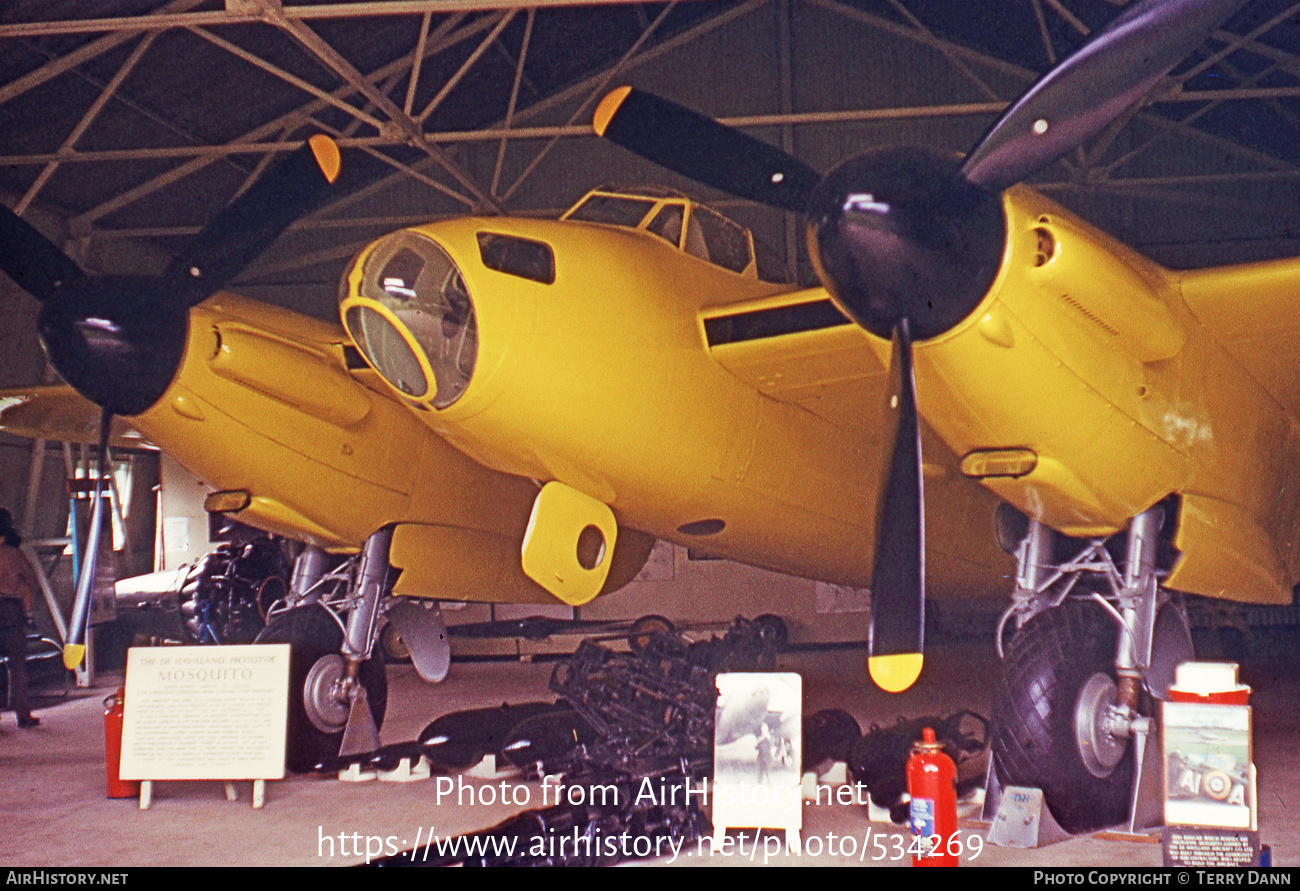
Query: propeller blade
x,y
74,649
33,261
898,573
701,149
235,236
119,340
1094,86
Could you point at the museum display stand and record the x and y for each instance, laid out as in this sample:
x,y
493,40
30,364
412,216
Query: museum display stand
x,y
1210,796
756,755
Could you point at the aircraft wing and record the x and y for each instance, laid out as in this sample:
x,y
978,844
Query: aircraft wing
x,y
797,348
828,366
58,412
1251,311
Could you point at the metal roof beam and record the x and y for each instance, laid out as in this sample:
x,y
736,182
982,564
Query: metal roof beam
x,y
1029,76
947,49
514,99
1043,33
560,98
162,21
463,70
1183,126
263,65
417,60
420,177
210,154
1289,62
681,39
86,120
66,63
334,60
594,94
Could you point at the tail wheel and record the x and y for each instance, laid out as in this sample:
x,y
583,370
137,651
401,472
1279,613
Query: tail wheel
x,y
316,717
772,629
1049,707
645,630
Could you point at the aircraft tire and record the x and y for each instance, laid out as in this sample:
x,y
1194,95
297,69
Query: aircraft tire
x,y
645,630
1058,668
772,629
395,649
315,640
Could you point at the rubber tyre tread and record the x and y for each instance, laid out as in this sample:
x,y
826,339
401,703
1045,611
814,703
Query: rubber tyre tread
x,y
311,633
1034,739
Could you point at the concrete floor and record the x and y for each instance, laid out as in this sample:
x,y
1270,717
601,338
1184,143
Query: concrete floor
x,y
56,814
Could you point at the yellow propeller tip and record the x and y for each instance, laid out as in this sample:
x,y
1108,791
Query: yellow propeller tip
x,y
896,672
72,655
326,152
607,108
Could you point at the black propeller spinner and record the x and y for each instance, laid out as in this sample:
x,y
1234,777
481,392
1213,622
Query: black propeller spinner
x,y
908,242
119,340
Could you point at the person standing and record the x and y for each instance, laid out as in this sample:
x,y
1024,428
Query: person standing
x,y
17,586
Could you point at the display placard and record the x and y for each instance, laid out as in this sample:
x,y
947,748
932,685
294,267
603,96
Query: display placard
x,y
205,713
1191,846
756,751
1207,755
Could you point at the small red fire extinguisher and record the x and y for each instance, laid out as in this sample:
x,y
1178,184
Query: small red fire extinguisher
x,y
932,783
114,708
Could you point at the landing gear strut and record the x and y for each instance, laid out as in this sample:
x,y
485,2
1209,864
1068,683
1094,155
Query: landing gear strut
x,y
1095,644
338,689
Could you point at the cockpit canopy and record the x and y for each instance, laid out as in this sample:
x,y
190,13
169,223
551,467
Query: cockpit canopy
x,y
683,223
408,309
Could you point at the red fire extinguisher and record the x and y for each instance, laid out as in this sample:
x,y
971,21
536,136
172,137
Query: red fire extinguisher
x,y
114,708
932,783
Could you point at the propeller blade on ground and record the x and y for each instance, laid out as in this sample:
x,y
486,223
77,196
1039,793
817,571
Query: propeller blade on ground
x,y
1094,86
704,150
898,573
237,235
31,259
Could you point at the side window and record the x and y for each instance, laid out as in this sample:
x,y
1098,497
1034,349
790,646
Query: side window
x,y
517,256
667,224
613,210
724,243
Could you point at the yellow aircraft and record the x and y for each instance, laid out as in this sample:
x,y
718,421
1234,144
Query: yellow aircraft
x,y
521,407
515,409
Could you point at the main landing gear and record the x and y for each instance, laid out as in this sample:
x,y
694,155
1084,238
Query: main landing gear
x,y
338,689
1094,646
